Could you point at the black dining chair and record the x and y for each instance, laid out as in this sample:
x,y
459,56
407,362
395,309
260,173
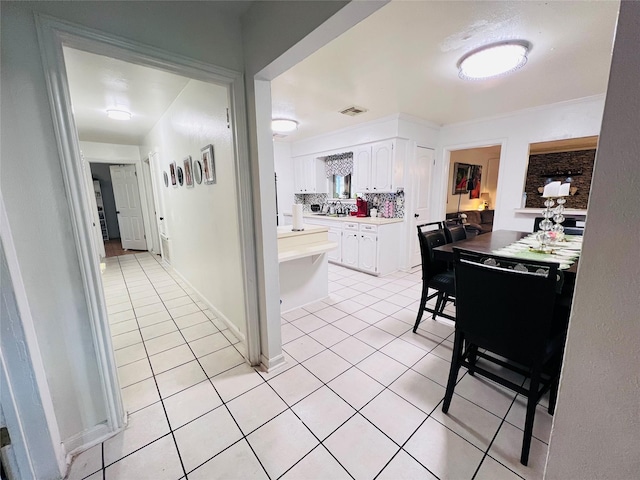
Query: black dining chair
x,y
435,275
506,315
454,233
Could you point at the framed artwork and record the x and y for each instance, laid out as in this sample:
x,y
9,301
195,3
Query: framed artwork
x,y
188,171
208,164
172,173
461,172
475,181
180,175
197,172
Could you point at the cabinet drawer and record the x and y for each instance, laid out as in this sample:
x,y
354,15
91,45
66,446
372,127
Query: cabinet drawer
x,y
350,226
364,227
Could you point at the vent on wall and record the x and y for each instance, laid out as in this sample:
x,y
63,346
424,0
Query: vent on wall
x,y
352,111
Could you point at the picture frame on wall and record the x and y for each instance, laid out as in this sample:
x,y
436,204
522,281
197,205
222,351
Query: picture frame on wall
x,y
172,173
208,165
461,173
188,171
475,181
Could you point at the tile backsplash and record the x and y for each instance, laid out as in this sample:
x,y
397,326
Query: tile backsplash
x,y
378,200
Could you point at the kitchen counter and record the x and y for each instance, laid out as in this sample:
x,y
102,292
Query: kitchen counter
x,y
304,266
349,218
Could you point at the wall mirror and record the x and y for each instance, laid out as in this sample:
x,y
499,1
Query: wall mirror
x,y
197,171
180,176
165,176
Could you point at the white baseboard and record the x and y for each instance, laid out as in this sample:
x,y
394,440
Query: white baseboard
x,y
82,441
230,325
271,364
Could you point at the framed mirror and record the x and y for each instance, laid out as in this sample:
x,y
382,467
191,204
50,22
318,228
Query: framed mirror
x,y
165,175
180,176
197,172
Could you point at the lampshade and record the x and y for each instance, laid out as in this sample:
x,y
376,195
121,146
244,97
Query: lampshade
x,y
485,196
283,125
493,60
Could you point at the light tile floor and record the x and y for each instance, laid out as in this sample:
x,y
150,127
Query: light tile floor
x,y
359,397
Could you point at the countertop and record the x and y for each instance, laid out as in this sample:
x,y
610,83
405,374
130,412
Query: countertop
x,y
349,218
285,231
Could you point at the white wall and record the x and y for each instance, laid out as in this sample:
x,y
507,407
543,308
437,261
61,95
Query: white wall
x,y
489,182
283,165
202,222
32,183
596,428
515,132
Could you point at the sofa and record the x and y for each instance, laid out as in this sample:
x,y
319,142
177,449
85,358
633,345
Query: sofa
x,y
476,222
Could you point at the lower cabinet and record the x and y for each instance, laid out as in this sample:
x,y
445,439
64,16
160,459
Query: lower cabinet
x,y
367,247
335,235
368,252
350,249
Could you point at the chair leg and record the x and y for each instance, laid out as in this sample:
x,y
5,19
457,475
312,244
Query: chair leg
x,y
423,303
473,358
531,412
445,299
458,343
436,309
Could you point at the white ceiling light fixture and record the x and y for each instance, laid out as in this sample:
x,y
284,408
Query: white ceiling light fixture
x,y
118,114
283,125
493,60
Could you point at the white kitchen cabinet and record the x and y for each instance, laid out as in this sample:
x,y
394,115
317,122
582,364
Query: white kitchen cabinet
x,y
335,235
350,249
375,168
367,252
309,175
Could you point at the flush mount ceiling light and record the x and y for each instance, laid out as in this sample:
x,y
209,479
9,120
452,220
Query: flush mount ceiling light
x,y
493,60
118,114
283,125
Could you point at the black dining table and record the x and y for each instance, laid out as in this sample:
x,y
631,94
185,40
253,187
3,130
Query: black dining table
x,y
487,243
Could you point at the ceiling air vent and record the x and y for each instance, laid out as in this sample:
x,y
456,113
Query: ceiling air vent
x,y
353,111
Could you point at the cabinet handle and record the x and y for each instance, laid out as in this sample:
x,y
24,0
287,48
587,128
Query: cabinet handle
x,y
416,215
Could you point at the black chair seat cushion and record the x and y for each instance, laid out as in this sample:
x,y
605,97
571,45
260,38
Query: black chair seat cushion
x,y
444,282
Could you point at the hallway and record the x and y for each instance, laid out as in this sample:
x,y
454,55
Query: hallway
x,y
360,395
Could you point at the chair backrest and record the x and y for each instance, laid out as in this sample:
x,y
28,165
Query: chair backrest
x,y
454,233
504,304
429,240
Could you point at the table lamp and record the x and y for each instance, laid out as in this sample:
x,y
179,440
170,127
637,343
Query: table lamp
x,y
484,201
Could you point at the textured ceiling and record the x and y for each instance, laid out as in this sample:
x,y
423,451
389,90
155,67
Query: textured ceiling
x,y
403,59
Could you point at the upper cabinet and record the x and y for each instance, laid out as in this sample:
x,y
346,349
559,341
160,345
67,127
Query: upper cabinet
x,y
377,167
309,175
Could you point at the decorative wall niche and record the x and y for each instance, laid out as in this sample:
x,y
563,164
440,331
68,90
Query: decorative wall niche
x,y
568,160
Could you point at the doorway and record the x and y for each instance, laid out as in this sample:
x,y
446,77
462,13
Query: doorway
x,y
187,205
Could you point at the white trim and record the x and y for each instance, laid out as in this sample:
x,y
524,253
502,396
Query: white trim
x,y
31,338
85,440
52,34
271,364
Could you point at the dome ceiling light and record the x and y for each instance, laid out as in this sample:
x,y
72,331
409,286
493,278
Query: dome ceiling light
x,y
493,60
283,125
118,114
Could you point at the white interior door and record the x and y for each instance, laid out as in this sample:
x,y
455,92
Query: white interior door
x,y
128,208
152,202
421,183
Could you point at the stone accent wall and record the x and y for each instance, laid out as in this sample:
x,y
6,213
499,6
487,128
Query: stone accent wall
x,y
556,166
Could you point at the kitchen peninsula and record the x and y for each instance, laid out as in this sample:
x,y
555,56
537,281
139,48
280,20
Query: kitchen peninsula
x,y
304,268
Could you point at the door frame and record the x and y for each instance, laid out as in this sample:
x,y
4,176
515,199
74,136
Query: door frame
x,y
410,200
53,34
152,203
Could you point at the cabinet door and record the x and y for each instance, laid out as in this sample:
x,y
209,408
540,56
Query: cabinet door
x,y
367,249
361,169
335,235
382,167
299,175
350,249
